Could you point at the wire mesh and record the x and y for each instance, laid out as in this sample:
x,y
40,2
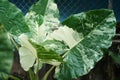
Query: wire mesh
x,y
69,7
24,5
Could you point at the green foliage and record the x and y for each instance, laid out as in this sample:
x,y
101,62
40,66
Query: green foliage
x,y
46,54
55,45
98,32
27,53
73,47
12,18
42,18
6,55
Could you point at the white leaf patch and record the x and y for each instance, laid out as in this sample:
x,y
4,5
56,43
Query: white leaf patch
x,y
27,52
66,34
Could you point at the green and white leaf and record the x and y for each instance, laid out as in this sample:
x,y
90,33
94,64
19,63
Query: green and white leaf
x,y
12,18
27,52
47,55
66,34
58,46
6,55
98,28
41,18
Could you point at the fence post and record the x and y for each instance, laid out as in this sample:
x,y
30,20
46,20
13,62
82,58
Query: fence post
x,y
110,4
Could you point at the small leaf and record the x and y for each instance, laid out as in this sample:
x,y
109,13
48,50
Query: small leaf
x,y
27,59
27,52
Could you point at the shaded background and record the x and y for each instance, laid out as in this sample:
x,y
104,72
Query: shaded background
x,y
68,7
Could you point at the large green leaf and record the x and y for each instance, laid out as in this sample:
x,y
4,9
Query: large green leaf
x,y
98,27
86,21
12,18
6,55
41,17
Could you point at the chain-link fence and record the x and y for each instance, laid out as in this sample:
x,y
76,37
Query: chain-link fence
x,y
24,5
68,7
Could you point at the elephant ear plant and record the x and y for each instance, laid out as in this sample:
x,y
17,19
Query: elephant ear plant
x,y
72,47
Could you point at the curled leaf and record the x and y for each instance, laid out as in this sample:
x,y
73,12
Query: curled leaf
x,y
27,52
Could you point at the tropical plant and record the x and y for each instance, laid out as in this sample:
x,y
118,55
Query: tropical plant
x,y
73,47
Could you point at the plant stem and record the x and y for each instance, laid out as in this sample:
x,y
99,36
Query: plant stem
x,y
14,43
31,74
48,72
37,78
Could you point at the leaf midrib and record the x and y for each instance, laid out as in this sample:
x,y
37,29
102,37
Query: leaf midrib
x,y
86,36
